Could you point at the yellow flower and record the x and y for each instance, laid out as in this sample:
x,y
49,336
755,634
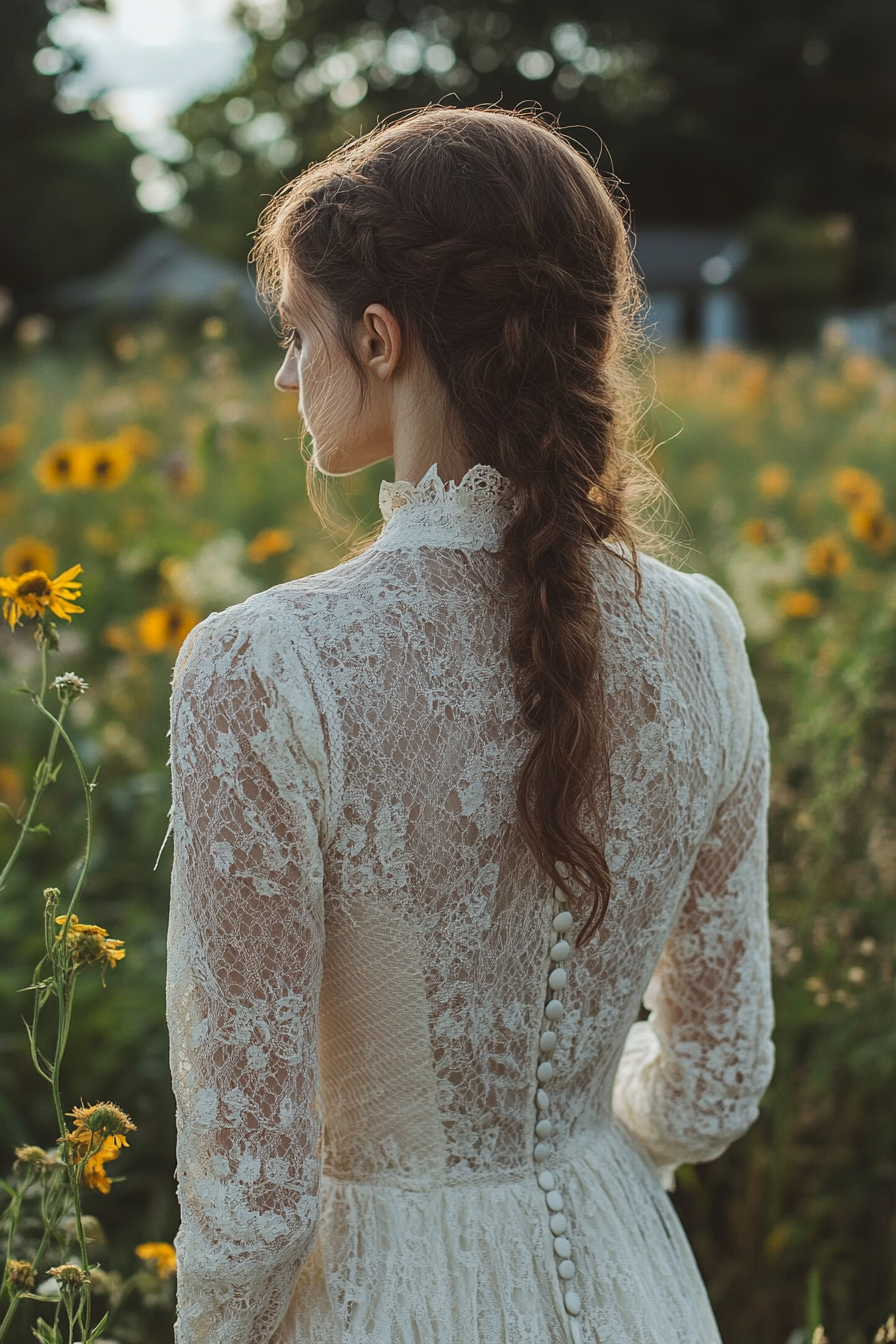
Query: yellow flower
x,y
111,463
855,489
90,1152
875,528
102,1118
756,531
20,1275
28,553
165,627
799,604
773,481
29,595
270,541
89,944
160,1255
827,557
12,437
64,466
98,1135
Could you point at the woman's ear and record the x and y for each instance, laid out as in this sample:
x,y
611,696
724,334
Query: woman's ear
x,y
380,341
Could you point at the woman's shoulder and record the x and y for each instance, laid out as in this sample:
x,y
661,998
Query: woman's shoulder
x,y
691,596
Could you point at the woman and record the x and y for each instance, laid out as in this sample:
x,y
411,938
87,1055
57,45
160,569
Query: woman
x,y
446,814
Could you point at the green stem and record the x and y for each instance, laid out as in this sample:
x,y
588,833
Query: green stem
x,y
88,797
39,788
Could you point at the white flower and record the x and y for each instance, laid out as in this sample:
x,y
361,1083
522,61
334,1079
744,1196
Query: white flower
x,y
69,685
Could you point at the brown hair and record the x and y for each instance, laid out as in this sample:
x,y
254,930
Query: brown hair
x,y
505,255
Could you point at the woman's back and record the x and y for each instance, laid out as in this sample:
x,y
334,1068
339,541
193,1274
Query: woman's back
x,y
360,1081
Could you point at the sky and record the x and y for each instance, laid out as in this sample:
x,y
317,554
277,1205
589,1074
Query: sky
x,y
152,58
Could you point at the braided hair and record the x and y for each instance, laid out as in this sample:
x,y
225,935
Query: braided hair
x,y
505,256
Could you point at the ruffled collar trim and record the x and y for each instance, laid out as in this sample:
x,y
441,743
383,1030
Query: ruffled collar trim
x,y
468,515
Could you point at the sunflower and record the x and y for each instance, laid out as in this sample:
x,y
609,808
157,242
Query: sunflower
x,y
64,466
270,541
773,481
111,462
827,557
161,628
160,1255
29,595
26,554
799,605
875,528
89,944
855,489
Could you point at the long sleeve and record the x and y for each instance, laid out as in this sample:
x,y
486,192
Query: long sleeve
x,y
246,942
691,1077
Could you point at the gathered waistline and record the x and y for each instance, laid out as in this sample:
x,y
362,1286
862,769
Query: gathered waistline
x,y
431,1182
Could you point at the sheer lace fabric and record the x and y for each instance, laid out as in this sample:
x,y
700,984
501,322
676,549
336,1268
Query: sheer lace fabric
x,y
360,944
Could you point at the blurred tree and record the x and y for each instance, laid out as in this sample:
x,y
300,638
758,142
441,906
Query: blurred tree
x,y
68,198
712,109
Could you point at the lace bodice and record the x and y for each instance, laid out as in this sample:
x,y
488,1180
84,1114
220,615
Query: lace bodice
x,y
361,949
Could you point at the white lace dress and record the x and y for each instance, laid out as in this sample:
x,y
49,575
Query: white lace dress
x,y
410,1110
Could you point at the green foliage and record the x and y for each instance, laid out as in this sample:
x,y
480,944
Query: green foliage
x,y
206,500
68,197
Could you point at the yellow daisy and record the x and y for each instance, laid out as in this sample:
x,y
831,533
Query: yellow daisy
x,y
161,628
111,462
270,541
64,466
89,944
773,481
160,1255
29,595
799,605
875,528
26,554
827,557
855,489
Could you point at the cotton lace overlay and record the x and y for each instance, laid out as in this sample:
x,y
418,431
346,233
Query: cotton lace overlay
x,y
360,947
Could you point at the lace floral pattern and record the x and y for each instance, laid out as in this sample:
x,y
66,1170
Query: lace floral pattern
x,y
359,946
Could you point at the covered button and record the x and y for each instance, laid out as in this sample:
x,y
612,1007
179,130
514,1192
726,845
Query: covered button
x,y
572,1302
547,1042
545,1071
561,950
562,1247
557,1223
544,1129
566,1269
554,1201
553,1011
575,1332
562,922
557,978
546,1180
541,1151
542,1100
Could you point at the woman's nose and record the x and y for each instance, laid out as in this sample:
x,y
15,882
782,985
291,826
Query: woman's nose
x,y
287,379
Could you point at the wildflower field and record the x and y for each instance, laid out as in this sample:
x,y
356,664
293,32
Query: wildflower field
x,y
170,471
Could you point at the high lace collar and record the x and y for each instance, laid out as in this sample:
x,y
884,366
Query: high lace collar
x,y
469,515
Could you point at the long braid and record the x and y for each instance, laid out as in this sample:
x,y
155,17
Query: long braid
x,y
506,256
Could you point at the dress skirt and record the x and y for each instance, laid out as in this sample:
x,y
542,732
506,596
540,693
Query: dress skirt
x,y
474,1261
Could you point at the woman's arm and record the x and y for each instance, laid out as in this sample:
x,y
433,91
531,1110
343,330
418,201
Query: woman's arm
x,y
245,951
691,1077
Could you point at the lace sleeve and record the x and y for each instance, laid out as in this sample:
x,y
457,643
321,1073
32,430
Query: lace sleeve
x,y
245,951
691,1077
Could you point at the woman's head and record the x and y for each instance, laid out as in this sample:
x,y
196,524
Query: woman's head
x,y
501,259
